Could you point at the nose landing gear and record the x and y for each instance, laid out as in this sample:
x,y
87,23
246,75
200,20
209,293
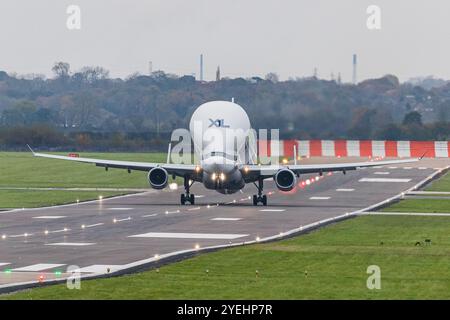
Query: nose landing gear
x,y
187,196
260,197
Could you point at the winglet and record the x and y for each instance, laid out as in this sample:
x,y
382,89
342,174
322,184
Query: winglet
x,y
30,149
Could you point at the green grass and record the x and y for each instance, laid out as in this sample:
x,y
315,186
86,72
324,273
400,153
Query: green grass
x,y
21,169
335,258
442,184
11,199
420,205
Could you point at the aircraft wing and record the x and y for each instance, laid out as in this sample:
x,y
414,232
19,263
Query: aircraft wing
x,y
269,170
172,169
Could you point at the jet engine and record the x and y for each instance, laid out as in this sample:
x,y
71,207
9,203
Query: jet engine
x,y
158,178
285,179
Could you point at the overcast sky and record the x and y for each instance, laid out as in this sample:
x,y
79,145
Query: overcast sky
x,y
244,37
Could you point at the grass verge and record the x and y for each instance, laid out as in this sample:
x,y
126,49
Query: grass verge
x,y
329,263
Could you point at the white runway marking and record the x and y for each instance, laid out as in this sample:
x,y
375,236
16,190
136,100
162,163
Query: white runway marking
x,y
383,180
49,217
422,168
59,231
345,190
407,168
99,268
94,225
39,267
381,172
319,198
272,210
4,263
124,209
392,167
74,244
150,215
20,235
218,236
226,219
121,220
192,209
198,196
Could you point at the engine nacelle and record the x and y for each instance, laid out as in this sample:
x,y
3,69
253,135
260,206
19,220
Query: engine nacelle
x,y
285,179
158,178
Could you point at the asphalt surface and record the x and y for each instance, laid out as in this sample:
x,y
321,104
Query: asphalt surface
x,y
110,233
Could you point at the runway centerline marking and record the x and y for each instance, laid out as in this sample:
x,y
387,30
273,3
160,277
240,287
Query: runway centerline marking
x,y
121,220
49,217
181,235
150,215
196,208
94,225
75,244
120,209
59,231
345,190
381,172
272,210
407,168
226,219
4,263
392,167
39,267
383,180
319,198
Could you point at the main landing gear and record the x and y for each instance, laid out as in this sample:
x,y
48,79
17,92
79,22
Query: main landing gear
x,y
260,197
187,196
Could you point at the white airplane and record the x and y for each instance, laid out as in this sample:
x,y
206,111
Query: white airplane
x,y
225,166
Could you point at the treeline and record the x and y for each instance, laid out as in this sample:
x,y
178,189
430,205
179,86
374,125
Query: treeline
x,y
49,138
88,109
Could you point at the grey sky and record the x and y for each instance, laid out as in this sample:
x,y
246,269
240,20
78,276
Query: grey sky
x,y
246,37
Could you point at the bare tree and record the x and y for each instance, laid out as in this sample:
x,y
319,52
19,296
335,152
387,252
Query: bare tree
x,y
61,69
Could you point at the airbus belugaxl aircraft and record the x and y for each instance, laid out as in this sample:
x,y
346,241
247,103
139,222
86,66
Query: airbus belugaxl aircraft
x,y
224,166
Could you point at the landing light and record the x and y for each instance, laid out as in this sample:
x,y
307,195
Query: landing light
x,y
4,236
246,169
198,169
46,232
222,176
213,176
100,197
197,246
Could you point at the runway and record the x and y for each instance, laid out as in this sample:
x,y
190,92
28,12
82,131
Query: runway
x,y
111,234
